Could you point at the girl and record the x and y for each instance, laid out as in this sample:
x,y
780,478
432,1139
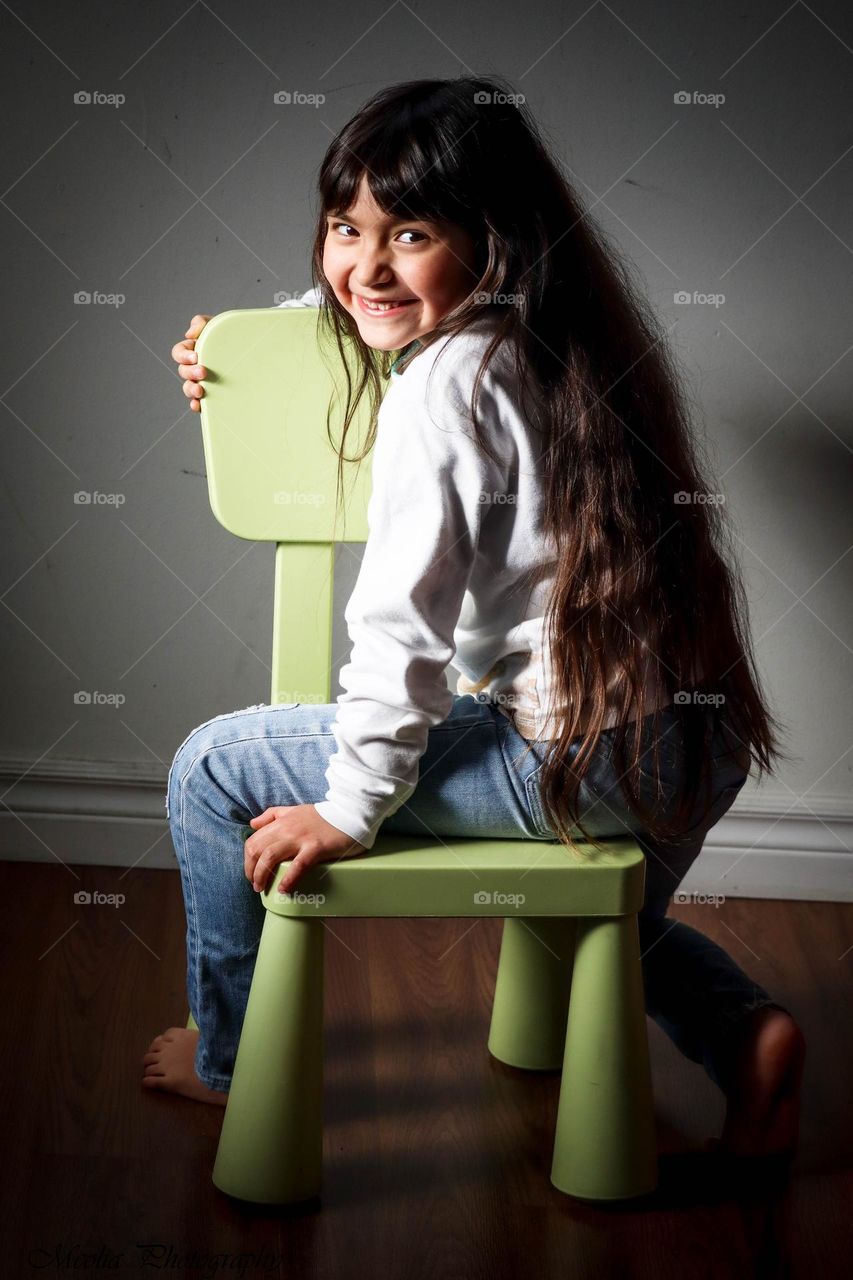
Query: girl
x,y
560,553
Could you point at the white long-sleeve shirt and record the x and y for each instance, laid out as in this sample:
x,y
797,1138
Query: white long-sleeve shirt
x,y
457,568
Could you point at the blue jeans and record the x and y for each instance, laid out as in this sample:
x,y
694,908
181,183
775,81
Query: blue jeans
x,y
478,777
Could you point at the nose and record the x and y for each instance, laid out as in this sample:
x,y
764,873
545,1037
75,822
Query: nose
x,y
371,271
369,283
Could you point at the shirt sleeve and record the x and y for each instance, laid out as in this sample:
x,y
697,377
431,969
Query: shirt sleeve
x,y
430,489
313,298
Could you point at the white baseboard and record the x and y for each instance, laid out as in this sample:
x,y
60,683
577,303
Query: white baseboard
x,y
103,813
806,855
90,812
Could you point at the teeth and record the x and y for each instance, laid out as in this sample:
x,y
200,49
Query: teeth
x,y
380,306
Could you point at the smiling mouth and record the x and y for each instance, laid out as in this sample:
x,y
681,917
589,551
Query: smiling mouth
x,y
384,308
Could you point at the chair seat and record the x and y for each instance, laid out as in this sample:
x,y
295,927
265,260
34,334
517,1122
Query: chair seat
x,y
412,876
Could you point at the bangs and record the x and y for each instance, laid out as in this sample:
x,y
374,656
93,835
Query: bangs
x,y
408,178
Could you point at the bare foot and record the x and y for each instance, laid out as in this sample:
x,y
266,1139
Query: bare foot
x,y
170,1065
763,1091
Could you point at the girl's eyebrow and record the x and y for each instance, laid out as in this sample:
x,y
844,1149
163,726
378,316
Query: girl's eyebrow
x,y
342,213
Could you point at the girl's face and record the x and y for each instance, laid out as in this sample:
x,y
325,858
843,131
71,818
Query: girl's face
x,y
424,268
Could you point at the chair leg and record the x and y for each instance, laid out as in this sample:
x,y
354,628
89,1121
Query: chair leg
x,y
604,1147
531,1002
271,1145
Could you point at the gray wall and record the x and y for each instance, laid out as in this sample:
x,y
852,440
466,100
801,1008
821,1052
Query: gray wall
x,y
196,194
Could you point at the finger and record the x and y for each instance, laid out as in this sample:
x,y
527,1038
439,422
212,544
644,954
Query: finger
x,y
250,857
196,371
196,325
193,390
266,864
262,819
252,850
182,351
189,361
294,872
258,860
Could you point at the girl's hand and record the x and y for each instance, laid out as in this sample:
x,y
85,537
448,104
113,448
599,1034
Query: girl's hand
x,y
183,353
293,831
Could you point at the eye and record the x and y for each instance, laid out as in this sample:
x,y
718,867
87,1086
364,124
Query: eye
x,y
338,226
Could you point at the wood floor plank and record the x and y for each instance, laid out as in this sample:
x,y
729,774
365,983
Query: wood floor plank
x,y
436,1156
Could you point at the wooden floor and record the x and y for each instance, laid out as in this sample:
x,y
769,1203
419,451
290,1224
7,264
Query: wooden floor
x,y
436,1155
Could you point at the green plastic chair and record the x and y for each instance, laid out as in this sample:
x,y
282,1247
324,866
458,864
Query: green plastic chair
x,y
569,989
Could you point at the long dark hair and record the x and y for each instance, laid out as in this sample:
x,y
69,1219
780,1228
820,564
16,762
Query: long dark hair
x,y
641,578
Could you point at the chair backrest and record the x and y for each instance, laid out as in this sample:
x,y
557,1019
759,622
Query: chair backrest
x,y
271,472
